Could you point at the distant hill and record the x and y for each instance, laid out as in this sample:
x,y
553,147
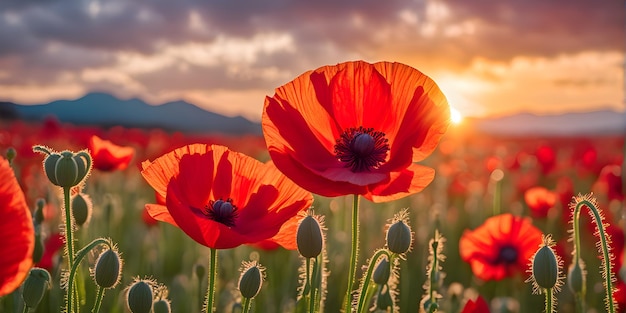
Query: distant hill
x,y
603,122
106,110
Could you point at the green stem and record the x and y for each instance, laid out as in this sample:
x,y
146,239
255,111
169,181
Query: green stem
x,y
246,305
25,310
604,246
307,284
433,271
96,307
312,285
497,198
69,244
353,254
80,255
212,278
361,304
549,308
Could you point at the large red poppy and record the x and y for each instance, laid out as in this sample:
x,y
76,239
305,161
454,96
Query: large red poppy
x,y
108,156
357,128
223,199
501,247
16,231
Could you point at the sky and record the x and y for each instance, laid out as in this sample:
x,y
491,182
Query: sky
x,y
488,57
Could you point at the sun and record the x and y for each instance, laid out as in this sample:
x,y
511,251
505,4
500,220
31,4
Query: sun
x,y
455,116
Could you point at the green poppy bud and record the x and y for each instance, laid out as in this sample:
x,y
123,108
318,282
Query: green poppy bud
x,y
162,306
382,272
81,208
11,154
545,267
38,217
399,237
251,279
66,169
384,301
140,297
576,277
108,269
35,286
309,237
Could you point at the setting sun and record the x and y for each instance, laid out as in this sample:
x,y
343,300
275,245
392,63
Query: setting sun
x,y
455,116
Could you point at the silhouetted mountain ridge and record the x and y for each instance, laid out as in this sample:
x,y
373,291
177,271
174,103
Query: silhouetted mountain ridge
x,y
106,110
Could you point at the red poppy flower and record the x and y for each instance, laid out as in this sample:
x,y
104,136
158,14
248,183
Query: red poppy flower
x,y
357,128
476,306
16,230
108,156
609,183
223,199
500,247
540,200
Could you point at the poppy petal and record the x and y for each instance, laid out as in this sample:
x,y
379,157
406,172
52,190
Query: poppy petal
x,y
16,231
401,184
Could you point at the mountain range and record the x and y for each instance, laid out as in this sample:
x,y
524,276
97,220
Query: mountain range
x,y
107,110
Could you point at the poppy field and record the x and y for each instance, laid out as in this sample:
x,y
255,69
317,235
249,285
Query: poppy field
x,y
360,196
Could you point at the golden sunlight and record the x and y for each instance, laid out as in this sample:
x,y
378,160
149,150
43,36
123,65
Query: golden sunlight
x,y
455,116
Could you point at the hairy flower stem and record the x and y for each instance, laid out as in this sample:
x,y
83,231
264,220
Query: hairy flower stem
x,y
607,275
72,294
96,306
361,304
353,254
246,305
549,294
212,278
80,255
315,285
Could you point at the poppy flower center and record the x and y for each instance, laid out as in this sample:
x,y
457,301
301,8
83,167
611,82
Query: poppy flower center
x,y
222,211
507,254
362,149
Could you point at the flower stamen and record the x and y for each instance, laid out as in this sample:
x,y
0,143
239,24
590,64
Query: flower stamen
x,y
362,149
221,211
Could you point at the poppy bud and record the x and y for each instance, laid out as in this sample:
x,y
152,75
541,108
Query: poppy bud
x,y
81,208
200,270
576,277
251,279
38,217
162,306
65,169
545,267
35,286
11,154
108,267
139,298
384,301
382,272
309,237
399,237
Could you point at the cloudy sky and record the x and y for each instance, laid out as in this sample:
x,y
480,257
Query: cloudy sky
x,y
489,57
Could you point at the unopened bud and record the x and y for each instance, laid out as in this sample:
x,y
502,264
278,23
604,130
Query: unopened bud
x,y
81,208
545,267
11,154
576,277
251,279
399,237
384,301
35,286
108,269
162,306
39,217
65,169
140,297
382,272
309,237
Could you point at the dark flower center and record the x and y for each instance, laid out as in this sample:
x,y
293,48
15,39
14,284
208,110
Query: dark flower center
x,y
362,149
221,211
507,254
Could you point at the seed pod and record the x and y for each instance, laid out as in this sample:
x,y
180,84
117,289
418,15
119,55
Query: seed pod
x,y
67,169
576,277
309,237
545,267
382,272
140,297
251,279
35,286
399,237
162,306
81,208
108,269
